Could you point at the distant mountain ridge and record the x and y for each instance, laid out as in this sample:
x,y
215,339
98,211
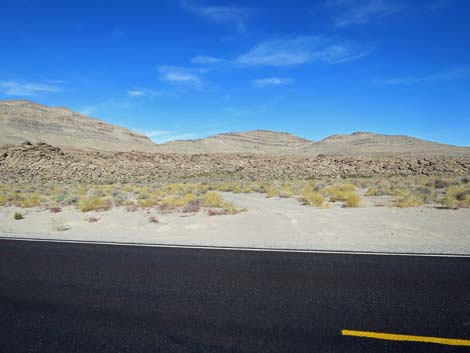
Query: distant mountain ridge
x,y
22,120
256,141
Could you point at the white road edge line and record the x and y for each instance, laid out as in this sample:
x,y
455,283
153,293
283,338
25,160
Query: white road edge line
x,y
234,248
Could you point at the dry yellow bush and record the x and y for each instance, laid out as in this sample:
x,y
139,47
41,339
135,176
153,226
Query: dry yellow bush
x,y
450,202
213,199
312,198
31,201
352,199
87,204
409,200
3,200
339,192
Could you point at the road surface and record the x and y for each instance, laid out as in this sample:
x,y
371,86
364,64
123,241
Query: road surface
x,y
61,297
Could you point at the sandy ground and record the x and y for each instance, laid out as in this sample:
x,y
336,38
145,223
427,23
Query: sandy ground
x,y
273,223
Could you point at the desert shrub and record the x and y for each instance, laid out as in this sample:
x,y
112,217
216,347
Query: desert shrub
x,y
128,188
95,192
372,191
236,188
177,189
131,208
3,200
258,188
272,191
462,195
179,201
59,197
229,207
218,212
226,208
58,225
225,187
339,192
441,183
146,202
87,204
428,195
32,201
286,191
153,219
120,198
166,207
352,199
450,202
107,203
18,216
212,199
188,198
459,195
409,199
70,199
192,207
312,198
106,189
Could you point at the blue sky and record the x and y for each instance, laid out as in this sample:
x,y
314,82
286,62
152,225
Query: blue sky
x,y
191,68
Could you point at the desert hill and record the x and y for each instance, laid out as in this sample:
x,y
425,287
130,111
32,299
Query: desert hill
x,y
370,144
23,120
256,141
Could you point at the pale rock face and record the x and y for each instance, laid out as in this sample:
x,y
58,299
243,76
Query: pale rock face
x,y
26,121
253,142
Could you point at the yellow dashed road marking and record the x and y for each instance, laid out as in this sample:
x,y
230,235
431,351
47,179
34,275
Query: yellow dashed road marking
x,y
409,338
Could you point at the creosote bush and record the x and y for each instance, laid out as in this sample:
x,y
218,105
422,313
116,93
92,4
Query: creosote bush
x,y
18,216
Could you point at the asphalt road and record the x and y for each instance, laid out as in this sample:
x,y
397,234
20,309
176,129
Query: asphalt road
x,y
58,297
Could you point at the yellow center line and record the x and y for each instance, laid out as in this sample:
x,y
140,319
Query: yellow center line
x,y
409,338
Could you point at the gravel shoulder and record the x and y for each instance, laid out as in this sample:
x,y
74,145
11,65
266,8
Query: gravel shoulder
x,y
267,222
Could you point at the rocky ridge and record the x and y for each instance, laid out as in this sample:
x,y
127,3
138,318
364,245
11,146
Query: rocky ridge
x,y
41,162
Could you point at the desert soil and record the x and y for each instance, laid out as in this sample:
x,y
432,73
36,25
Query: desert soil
x,y
271,223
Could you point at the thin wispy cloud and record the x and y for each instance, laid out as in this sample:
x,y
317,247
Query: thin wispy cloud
x,y
205,60
27,89
442,76
104,106
271,82
143,92
356,12
230,16
300,50
161,136
181,76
